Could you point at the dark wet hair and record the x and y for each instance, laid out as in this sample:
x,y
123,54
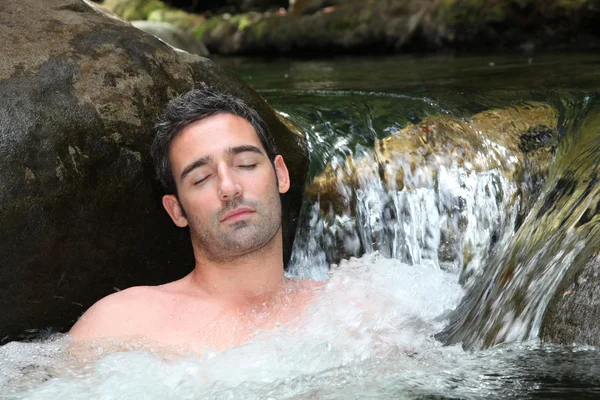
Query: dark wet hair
x,y
193,106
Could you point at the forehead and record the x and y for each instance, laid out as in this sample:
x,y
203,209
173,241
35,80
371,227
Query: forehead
x,y
211,136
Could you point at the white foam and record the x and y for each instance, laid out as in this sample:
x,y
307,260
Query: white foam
x,y
373,317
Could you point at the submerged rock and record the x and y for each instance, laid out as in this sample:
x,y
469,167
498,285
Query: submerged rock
x,y
79,204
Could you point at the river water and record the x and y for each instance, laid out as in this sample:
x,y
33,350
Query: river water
x,y
393,279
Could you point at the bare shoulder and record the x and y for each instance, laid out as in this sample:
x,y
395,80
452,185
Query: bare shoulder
x,y
115,315
310,284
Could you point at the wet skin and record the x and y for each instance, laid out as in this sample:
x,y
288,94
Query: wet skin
x,y
228,195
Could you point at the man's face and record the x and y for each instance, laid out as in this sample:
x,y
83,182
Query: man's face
x,y
227,188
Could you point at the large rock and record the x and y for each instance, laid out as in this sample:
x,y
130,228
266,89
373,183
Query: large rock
x,y
573,312
79,205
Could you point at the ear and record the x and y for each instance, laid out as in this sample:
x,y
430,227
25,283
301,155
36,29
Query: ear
x,y
171,204
283,175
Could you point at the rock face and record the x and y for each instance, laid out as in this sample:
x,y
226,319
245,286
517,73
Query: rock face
x,y
79,204
573,314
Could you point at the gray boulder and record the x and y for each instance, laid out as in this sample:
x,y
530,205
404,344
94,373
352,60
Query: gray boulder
x,y
79,204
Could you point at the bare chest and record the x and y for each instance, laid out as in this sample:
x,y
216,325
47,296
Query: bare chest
x,y
197,327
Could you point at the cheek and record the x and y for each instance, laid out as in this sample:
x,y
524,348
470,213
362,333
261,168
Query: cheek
x,y
264,188
200,204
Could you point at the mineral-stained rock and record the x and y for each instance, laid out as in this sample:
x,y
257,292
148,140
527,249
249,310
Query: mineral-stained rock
x,y
79,205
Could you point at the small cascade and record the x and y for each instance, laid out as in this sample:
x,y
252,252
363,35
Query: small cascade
x,y
449,219
442,192
560,234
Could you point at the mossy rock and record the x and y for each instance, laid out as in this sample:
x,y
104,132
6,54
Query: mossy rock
x,y
386,26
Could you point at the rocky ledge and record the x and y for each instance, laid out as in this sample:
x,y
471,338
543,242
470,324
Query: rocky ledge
x,y
383,26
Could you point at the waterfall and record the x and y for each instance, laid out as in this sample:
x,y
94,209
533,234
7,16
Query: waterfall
x,y
510,235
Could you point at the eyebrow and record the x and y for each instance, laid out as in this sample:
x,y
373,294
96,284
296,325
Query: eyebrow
x,y
241,149
207,159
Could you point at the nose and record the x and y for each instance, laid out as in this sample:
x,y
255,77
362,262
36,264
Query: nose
x,y
229,187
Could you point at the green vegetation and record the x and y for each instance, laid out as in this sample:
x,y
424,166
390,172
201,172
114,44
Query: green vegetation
x,y
135,9
356,24
258,29
208,26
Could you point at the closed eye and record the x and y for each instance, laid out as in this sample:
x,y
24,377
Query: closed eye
x,y
200,181
247,166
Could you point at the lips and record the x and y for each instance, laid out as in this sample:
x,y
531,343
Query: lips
x,y
236,214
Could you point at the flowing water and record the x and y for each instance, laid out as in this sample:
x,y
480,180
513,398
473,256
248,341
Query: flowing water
x,y
402,262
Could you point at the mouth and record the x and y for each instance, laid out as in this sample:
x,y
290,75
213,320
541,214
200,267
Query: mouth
x,y
237,214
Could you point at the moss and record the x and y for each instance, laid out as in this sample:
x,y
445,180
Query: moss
x,y
258,29
242,21
134,9
208,26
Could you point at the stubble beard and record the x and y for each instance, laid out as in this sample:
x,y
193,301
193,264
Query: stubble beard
x,y
226,242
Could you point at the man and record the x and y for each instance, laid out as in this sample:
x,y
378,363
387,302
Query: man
x,y
219,166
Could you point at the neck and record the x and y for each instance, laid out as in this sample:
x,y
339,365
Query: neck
x,y
252,278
